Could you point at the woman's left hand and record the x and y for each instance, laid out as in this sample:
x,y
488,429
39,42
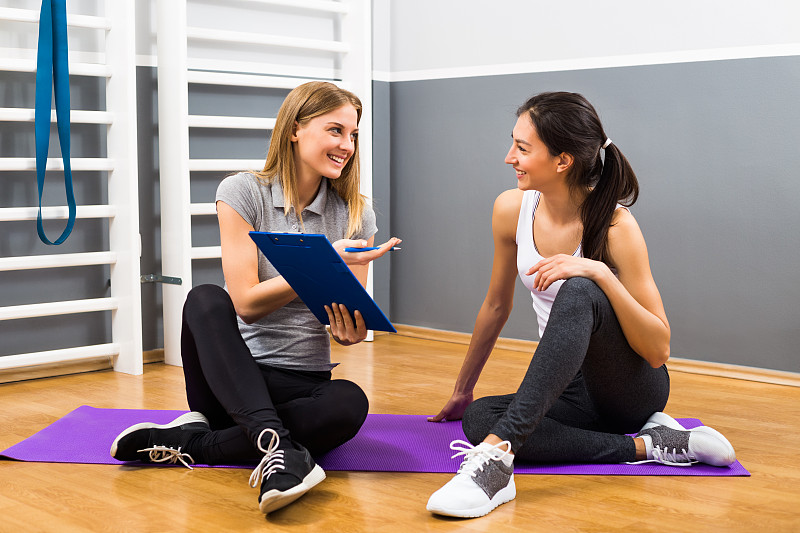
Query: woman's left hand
x,y
346,330
362,258
563,266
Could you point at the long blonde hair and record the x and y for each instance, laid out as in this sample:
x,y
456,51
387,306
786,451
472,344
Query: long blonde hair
x,y
302,104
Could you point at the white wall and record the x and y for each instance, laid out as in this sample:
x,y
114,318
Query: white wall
x,y
454,38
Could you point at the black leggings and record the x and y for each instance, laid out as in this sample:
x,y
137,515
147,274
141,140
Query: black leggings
x,y
240,397
584,389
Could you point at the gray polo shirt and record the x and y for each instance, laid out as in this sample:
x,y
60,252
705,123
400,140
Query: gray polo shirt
x,y
290,337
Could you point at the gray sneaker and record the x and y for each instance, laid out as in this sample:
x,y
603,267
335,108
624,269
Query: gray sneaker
x,y
683,447
484,480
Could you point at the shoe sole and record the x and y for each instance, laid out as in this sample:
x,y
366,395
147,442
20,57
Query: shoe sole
x,y
504,495
730,456
274,499
187,418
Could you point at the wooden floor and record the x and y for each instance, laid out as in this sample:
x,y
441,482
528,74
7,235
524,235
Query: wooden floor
x,y
405,376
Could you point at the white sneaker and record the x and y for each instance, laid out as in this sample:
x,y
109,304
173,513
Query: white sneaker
x,y
682,447
662,419
484,480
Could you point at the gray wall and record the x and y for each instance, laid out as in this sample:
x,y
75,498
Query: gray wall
x,y
714,145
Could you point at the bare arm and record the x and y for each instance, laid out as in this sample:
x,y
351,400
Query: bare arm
x,y
496,305
634,295
251,299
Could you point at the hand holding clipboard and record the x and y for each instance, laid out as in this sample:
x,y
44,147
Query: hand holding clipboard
x,y
319,275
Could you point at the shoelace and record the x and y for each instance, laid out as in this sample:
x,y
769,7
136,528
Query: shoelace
x,y
272,461
164,454
673,458
475,458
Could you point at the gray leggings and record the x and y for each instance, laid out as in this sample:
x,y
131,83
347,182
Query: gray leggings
x,y
584,389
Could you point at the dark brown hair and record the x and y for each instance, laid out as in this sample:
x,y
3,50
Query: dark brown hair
x,y
568,123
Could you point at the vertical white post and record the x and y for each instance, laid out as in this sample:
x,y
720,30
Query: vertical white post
x,y
173,149
357,69
123,190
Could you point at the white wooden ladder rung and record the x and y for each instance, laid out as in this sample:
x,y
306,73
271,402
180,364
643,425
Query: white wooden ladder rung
x,y
243,123
206,252
204,77
59,212
76,163
18,114
65,307
326,6
31,262
81,353
98,70
76,21
201,209
225,165
225,36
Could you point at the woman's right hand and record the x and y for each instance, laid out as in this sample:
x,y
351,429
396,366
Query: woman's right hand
x,y
454,409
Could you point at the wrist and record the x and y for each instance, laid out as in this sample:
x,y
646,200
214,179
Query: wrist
x,y
462,390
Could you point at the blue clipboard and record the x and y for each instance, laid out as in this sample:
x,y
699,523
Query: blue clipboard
x,y
319,276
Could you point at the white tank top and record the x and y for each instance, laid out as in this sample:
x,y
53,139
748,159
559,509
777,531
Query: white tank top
x,y
528,255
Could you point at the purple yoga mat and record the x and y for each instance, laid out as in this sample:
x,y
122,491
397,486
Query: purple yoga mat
x,y
386,443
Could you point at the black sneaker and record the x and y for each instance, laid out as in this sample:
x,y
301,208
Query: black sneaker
x,y
153,443
285,474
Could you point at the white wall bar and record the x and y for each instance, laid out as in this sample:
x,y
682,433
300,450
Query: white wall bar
x,y
57,212
123,189
58,356
311,5
19,114
225,165
77,163
235,69
75,69
76,21
173,135
243,80
317,45
32,262
206,252
242,123
209,208
66,307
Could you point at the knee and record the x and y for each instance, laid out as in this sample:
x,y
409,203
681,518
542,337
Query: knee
x,y
578,284
352,404
580,290
207,300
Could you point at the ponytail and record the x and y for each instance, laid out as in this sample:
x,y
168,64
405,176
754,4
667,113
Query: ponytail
x,y
617,184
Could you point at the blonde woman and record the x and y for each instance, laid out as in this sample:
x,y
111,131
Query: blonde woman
x,y
256,361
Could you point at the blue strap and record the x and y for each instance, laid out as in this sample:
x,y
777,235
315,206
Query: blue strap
x,y
52,69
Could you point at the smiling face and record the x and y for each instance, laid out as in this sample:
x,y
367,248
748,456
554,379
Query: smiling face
x,y
532,161
324,144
